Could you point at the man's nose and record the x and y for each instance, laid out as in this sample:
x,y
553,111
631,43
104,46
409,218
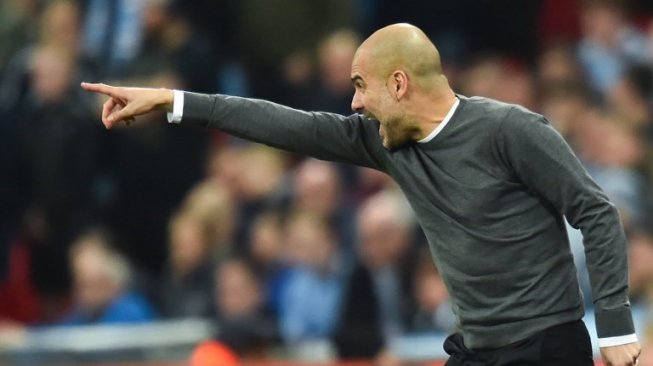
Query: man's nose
x,y
356,104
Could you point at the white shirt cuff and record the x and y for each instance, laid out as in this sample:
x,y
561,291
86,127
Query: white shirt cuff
x,y
177,107
617,341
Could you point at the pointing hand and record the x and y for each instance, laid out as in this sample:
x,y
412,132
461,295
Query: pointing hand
x,y
126,103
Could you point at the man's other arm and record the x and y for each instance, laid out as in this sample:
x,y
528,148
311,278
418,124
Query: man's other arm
x,y
546,164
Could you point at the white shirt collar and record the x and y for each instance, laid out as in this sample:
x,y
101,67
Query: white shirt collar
x,y
444,122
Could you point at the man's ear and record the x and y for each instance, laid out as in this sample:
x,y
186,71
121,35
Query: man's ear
x,y
399,83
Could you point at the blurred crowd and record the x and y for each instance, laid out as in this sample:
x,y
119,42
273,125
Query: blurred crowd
x,y
156,221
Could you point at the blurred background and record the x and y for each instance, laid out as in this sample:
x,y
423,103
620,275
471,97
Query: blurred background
x,y
162,244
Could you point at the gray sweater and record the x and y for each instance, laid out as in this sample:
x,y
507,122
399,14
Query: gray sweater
x,y
490,191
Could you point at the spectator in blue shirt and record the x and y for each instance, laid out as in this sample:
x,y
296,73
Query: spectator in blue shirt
x,y
311,298
100,276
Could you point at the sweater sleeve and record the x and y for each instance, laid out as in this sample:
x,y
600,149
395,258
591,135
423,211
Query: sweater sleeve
x,y
325,136
542,160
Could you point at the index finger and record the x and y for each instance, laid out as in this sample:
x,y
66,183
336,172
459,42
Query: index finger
x,y
102,88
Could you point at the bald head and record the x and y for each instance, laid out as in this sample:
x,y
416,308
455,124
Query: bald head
x,y
398,81
401,46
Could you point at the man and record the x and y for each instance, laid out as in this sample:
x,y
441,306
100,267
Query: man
x,y
489,182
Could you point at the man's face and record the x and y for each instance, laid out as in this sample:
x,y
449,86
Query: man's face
x,y
372,98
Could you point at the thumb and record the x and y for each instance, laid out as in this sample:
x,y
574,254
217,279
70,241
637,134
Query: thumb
x,y
125,113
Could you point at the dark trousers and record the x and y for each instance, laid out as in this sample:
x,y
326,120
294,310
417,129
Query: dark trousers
x,y
561,345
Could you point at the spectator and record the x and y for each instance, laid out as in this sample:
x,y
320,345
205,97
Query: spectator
x,y
499,78
317,188
19,301
240,299
609,43
58,26
101,276
335,54
631,98
280,36
185,287
557,66
112,35
215,18
640,269
260,186
224,168
370,182
483,77
377,301
173,47
647,347
267,252
266,247
16,24
311,297
434,311
55,158
564,105
612,152
142,193
214,207
333,87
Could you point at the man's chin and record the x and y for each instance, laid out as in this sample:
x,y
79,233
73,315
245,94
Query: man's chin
x,y
370,116
393,145
389,145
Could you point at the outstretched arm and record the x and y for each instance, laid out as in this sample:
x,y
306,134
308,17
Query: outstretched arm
x,y
326,136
